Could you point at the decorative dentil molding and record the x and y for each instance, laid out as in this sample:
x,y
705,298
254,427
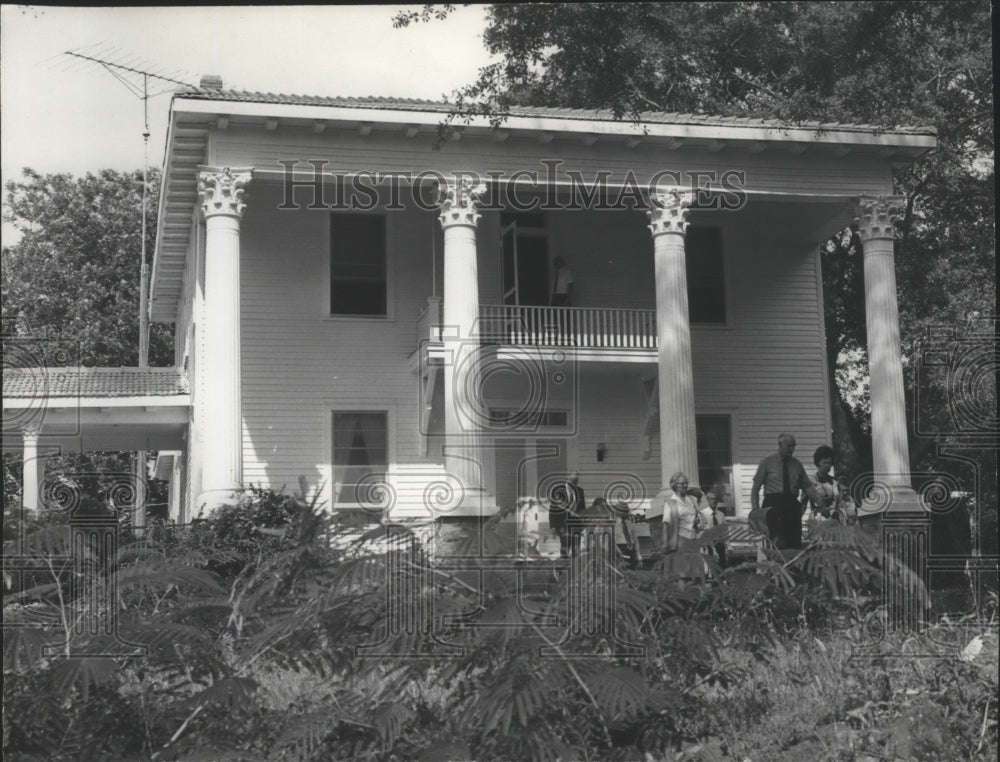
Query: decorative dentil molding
x,y
457,199
877,215
669,210
220,190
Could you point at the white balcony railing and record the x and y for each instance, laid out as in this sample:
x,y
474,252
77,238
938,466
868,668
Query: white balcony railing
x,y
586,327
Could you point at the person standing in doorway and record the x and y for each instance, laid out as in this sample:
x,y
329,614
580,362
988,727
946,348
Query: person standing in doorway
x,y
566,505
562,295
562,284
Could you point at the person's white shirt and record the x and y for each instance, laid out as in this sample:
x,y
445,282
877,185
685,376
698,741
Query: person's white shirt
x,y
685,511
564,279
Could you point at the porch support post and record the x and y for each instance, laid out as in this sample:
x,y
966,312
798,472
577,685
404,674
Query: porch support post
x,y
139,517
905,523
222,202
33,472
176,490
890,450
462,416
668,224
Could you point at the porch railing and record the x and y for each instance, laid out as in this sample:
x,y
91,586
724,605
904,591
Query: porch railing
x,y
429,322
587,327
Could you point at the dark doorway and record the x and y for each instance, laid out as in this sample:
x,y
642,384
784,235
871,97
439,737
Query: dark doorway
x,y
524,259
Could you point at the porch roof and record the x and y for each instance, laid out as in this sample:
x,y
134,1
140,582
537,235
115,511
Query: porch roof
x,y
76,382
80,408
389,104
197,112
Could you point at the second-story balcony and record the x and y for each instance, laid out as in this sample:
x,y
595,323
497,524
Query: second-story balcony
x,y
595,333
568,327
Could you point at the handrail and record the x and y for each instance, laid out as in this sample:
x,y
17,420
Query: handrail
x,y
587,327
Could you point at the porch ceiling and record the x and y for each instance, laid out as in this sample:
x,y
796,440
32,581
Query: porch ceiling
x,y
148,423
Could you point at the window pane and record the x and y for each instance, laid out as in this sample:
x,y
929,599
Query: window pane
x,y
706,282
357,264
360,456
714,448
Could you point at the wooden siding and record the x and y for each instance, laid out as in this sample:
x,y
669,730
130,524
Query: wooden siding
x,y
775,170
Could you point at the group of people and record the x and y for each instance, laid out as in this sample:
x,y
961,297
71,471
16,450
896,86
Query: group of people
x,y
568,513
789,492
682,513
683,518
687,512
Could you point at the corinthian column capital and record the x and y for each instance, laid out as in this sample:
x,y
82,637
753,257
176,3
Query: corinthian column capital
x,y
877,215
457,199
669,210
220,190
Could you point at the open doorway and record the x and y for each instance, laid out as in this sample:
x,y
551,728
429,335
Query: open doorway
x,y
524,259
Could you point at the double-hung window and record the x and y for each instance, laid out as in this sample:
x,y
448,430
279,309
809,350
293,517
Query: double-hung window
x,y
360,457
358,265
715,449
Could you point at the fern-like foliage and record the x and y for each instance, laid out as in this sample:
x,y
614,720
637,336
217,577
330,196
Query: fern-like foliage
x,y
478,660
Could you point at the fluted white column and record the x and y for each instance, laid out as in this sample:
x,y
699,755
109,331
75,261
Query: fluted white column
x,y
890,449
32,473
678,442
462,413
222,201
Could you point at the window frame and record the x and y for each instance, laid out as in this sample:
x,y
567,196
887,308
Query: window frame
x,y
390,267
329,469
730,417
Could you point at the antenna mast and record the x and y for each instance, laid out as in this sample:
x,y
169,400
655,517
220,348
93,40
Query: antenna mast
x,y
120,72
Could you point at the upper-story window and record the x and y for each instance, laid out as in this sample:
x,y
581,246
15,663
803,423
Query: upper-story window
x,y
358,264
705,275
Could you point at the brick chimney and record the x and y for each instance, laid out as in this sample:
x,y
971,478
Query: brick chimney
x,y
210,82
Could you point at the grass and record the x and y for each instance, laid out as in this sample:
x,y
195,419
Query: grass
x,y
816,698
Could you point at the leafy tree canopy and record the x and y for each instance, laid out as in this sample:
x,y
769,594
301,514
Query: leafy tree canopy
x,y
74,273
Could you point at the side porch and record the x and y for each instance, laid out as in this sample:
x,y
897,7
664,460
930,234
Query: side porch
x,y
51,411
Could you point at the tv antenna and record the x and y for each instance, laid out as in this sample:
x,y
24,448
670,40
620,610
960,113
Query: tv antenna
x,y
127,71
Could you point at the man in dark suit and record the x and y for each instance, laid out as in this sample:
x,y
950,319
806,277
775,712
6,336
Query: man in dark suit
x,y
782,476
567,505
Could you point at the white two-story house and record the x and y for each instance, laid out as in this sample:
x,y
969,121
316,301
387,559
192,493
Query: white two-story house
x,y
387,318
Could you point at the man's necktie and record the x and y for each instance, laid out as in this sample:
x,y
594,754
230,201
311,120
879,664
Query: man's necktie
x,y
786,482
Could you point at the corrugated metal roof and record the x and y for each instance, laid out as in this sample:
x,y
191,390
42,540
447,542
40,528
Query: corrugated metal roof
x,y
415,104
21,383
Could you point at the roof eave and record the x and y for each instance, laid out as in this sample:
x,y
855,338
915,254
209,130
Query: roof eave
x,y
916,137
